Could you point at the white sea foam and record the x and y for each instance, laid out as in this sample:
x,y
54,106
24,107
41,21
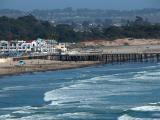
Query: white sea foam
x,y
82,115
18,88
23,112
147,78
20,108
74,93
151,107
12,88
107,78
154,73
33,117
82,88
4,117
146,108
27,110
81,93
158,103
148,75
127,117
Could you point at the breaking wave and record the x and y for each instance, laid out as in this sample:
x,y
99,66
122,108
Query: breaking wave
x,y
152,109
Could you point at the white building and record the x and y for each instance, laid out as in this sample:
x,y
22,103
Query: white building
x,y
12,46
44,46
4,45
62,47
34,46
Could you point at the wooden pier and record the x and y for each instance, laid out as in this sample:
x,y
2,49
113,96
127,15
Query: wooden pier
x,y
105,58
110,58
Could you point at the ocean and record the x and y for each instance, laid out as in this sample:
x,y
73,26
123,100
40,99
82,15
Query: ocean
x,y
128,91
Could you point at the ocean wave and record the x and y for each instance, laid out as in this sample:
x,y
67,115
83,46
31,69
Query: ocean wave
x,y
148,108
32,117
20,110
118,77
154,73
23,112
45,116
147,75
158,103
127,117
17,108
82,88
151,108
26,113
6,117
76,115
76,92
71,94
13,88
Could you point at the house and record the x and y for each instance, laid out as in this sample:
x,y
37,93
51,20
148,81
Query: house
x,y
12,46
4,45
62,47
44,46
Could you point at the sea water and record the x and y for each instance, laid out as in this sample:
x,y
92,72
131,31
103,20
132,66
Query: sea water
x,y
129,91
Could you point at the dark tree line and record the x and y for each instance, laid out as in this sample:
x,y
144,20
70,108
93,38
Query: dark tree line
x,y
26,28
134,29
29,28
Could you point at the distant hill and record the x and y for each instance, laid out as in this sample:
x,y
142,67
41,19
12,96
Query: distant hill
x,y
69,15
11,13
30,28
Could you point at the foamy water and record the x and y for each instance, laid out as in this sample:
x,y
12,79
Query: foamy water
x,y
123,92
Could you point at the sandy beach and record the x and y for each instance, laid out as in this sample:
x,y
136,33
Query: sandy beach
x,y
122,42
125,45
11,67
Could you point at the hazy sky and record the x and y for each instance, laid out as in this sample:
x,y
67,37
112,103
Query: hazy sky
x,y
94,4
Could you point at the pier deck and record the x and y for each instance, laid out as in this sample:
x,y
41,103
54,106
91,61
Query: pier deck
x,y
106,58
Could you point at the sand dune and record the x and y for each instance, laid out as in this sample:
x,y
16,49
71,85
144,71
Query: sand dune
x,y
121,42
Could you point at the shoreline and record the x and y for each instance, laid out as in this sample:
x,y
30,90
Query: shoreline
x,y
55,66
10,67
